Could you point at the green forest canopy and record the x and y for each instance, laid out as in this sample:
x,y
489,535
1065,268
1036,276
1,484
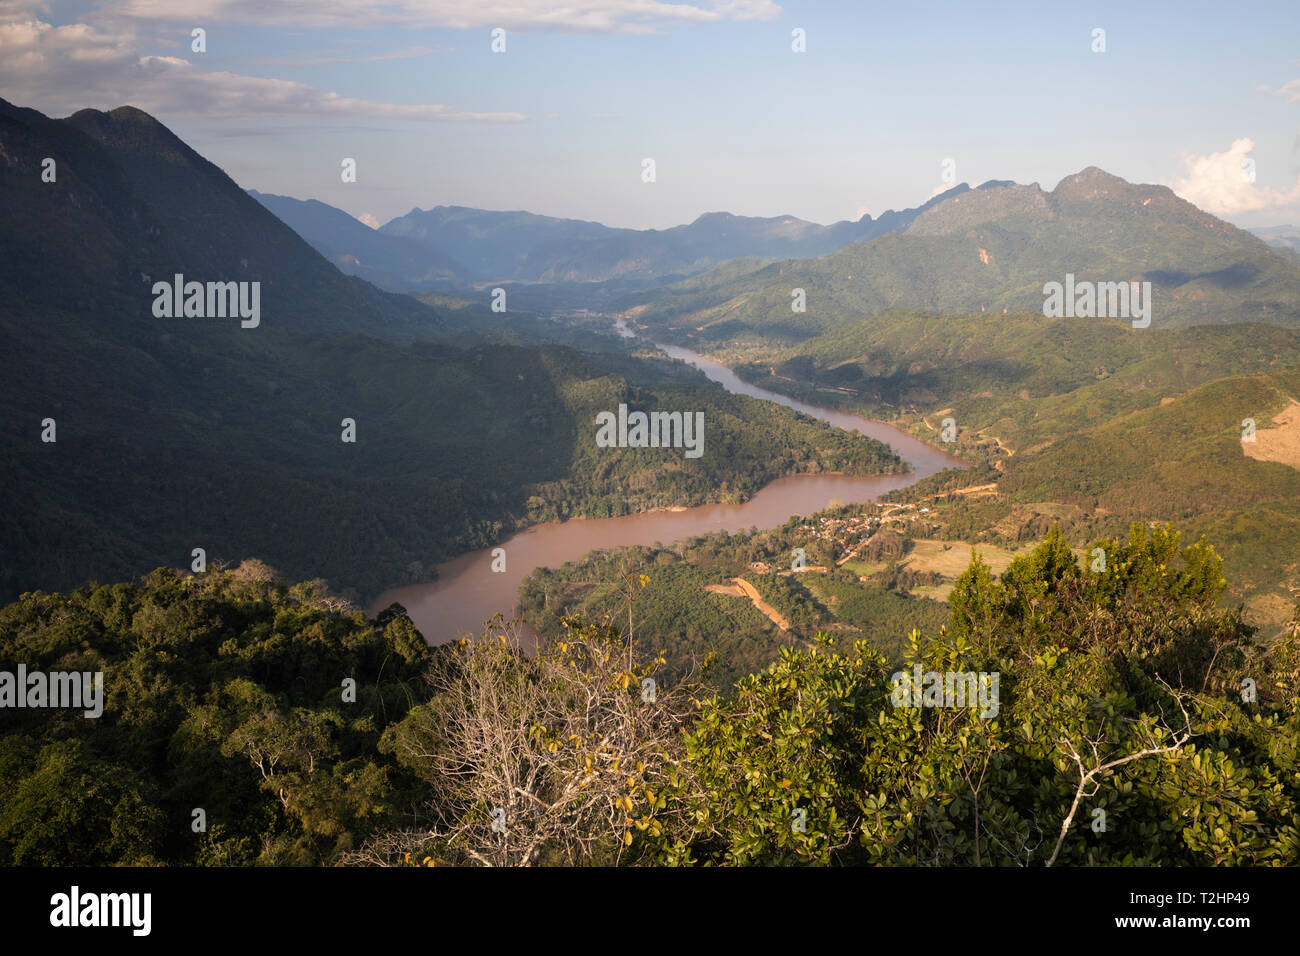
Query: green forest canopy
x,y
1127,691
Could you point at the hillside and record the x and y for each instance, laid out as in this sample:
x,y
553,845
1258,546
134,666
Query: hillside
x,y
1037,377
1094,424
1202,478
395,263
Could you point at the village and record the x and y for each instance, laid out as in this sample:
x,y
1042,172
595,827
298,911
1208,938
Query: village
x,y
849,536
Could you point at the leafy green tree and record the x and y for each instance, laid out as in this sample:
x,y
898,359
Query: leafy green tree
x,y
770,773
73,809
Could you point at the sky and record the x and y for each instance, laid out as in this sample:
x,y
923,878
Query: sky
x,y
883,101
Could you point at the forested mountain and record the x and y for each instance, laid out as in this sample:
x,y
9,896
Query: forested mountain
x,y
132,439
991,251
130,205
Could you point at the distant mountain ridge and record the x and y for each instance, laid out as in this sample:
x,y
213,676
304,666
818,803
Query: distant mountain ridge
x,y
1285,239
396,263
463,244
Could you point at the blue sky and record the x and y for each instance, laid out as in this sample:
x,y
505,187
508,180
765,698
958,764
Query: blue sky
x,y
560,122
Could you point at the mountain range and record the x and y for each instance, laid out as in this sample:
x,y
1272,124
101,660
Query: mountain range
x,y
179,433
433,248
992,251
729,279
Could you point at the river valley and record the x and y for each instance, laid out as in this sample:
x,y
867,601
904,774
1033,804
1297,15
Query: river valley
x,y
468,592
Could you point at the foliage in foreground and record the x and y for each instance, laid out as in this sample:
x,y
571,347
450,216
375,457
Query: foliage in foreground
x,y
1121,734
223,693
1135,722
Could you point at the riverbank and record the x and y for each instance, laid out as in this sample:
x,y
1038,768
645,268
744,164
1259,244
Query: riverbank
x,y
473,587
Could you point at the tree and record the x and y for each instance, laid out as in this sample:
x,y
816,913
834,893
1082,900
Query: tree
x,y
769,775
559,757
75,809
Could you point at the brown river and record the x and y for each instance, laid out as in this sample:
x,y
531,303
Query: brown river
x,y
468,592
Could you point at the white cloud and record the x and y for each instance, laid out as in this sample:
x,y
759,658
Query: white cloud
x,y
1289,90
59,69
577,16
370,220
1220,183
